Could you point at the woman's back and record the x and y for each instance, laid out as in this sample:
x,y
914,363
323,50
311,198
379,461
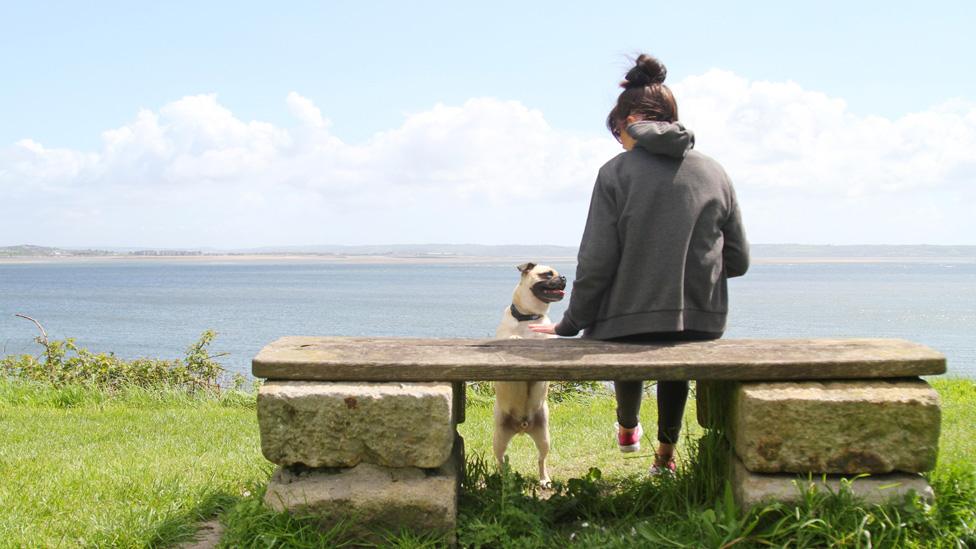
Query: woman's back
x,y
663,235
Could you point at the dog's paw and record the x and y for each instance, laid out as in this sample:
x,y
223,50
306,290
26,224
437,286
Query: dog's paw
x,y
545,484
514,337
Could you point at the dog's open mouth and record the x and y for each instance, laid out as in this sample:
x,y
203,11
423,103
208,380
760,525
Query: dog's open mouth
x,y
549,292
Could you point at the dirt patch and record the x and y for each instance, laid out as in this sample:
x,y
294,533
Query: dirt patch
x,y
207,537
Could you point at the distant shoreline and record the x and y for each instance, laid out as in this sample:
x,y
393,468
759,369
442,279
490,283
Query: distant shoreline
x,y
434,260
281,258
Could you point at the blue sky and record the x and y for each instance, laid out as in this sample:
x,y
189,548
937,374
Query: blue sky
x,y
71,71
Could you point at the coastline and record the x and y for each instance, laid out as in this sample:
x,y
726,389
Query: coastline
x,y
279,258
434,259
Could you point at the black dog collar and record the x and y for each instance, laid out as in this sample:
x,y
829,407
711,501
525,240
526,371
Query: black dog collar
x,y
521,317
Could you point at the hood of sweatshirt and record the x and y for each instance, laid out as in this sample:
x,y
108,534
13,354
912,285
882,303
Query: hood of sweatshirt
x,y
667,138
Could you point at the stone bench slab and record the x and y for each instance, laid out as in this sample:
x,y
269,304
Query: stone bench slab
x,y
324,424
407,359
844,427
751,489
371,498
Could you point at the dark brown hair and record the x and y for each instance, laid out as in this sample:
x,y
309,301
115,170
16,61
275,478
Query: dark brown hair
x,y
644,95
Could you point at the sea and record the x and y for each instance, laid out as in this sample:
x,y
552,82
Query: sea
x,y
158,307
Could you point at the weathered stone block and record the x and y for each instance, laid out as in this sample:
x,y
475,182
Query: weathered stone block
x,y
752,489
875,426
324,424
372,498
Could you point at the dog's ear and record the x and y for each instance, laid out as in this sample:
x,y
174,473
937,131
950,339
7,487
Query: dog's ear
x,y
525,267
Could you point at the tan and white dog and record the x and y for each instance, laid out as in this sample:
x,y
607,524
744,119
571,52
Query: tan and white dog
x,y
520,406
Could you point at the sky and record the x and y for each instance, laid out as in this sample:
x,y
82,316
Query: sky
x,y
232,125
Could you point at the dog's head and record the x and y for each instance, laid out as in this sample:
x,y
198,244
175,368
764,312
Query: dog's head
x,y
544,282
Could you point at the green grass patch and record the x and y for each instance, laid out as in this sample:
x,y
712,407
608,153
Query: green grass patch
x,y
127,468
603,499
135,467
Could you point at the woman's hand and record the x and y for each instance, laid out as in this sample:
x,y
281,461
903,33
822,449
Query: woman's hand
x,y
548,328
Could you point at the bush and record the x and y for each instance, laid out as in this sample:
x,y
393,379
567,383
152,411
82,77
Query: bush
x,y
63,362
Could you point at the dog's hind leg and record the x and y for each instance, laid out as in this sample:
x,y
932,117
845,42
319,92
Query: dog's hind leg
x,y
539,431
499,443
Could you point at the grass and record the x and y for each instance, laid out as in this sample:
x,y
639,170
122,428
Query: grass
x,y
618,506
582,437
82,467
138,467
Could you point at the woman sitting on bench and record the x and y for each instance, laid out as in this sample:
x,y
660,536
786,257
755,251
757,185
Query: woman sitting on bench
x,y
662,236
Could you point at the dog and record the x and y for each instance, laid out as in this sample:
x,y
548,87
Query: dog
x,y
520,406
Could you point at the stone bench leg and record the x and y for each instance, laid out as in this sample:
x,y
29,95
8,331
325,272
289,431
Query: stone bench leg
x,y
373,499
780,431
379,456
460,400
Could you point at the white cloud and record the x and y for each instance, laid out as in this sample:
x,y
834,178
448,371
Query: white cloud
x,y
36,163
193,173
777,135
305,111
809,170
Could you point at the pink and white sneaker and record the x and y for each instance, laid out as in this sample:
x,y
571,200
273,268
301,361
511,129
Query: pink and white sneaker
x,y
667,468
628,440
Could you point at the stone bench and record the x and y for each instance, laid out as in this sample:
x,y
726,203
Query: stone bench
x,y
365,428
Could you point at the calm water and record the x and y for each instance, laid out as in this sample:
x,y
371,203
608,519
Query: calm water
x,y
150,308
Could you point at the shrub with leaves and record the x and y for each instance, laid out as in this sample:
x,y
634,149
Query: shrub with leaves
x,y
63,362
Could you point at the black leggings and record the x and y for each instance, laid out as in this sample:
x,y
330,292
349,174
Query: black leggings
x,y
671,395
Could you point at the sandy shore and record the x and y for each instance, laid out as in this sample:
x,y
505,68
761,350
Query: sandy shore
x,y
432,260
861,260
285,258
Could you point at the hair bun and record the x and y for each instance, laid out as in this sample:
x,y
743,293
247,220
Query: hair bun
x,y
647,70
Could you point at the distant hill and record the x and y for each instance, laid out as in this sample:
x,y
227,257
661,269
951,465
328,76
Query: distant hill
x,y
479,250
528,252
27,250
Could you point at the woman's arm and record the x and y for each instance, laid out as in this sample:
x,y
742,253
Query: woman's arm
x,y
599,254
735,251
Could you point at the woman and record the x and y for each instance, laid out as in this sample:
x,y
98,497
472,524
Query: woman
x,y
663,235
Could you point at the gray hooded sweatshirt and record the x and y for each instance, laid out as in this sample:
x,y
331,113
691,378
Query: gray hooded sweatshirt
x,y
662,236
